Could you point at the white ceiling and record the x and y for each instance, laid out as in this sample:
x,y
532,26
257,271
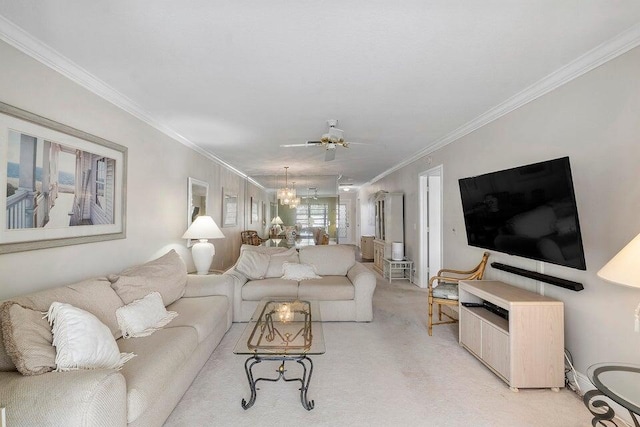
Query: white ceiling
x,y
238,79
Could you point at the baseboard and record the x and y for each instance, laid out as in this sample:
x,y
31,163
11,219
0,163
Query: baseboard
x,y
622,414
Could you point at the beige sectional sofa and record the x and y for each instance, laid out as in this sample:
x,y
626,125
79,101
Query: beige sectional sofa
x,y
344,290
147,388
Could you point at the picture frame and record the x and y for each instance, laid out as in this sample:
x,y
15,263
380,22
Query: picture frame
x,y
59,186
229,209
255,213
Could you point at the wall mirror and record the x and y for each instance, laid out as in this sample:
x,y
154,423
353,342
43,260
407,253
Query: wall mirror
x,y
197,201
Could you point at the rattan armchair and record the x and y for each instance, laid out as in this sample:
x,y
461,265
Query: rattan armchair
x,y
250,237
443,289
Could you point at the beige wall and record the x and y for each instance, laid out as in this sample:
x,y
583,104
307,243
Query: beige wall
x,y
595,120
156,189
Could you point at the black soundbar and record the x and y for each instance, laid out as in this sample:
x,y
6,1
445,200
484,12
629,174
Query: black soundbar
x,y
563,283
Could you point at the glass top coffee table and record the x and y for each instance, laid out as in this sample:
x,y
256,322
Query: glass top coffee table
x,y
282,330
618,381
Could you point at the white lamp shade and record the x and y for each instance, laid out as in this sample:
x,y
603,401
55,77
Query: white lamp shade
x,y
204,227
624,268
276,221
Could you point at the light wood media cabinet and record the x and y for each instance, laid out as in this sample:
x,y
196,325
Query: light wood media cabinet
x,y
526,351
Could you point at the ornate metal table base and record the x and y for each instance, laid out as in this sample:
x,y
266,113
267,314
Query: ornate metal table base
x,y
602,418
304,381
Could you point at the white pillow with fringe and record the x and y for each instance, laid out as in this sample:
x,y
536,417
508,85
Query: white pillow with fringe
x,y
82,341
143,317
298,272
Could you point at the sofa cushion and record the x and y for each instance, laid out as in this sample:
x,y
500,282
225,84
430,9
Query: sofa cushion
x,y
167,275
276,261
329,260
252,264
255,290
27,339
159,356
329,288
203,314
144,316
92,295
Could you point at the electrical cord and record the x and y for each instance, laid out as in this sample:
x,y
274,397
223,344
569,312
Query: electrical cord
x,y
570,368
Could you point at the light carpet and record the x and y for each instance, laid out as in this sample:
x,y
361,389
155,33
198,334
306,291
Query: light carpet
x,y
385,373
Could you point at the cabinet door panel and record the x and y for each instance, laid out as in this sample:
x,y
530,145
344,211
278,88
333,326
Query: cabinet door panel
x,y
495,349
470,331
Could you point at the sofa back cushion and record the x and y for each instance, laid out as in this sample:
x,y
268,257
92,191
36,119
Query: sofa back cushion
x,y
252,264
166,275
277,260
329,260
27,339
92,295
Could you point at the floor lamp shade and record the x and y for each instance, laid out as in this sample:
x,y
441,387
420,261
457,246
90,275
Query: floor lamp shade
x,y
203,229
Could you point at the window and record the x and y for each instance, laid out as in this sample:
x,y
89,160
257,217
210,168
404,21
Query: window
x,y
101,178
313,215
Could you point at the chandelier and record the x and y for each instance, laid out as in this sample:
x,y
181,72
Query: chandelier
x,y
295,202
286,195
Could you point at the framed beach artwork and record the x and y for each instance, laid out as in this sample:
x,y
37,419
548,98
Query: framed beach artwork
x,y
59,186
229,209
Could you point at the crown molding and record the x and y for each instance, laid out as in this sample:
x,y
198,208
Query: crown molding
x,y
25,42
597,56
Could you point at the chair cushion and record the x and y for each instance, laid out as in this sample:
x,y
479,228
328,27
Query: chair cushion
x,y
446,291
328,288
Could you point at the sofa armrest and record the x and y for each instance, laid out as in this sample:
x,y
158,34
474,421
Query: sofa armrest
x,y
74,398
364,283
211,284
238,282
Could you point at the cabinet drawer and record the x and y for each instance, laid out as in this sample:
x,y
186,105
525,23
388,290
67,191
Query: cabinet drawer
x,y
471,331
495,349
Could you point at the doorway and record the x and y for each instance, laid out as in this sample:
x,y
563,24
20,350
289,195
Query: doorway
x,y
430,261
345,231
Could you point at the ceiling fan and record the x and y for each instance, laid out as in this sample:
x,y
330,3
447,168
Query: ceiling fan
x,y
330,141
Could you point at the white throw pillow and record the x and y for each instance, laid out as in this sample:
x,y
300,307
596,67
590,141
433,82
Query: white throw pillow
x,y
294,271
82,341
253,265
143,317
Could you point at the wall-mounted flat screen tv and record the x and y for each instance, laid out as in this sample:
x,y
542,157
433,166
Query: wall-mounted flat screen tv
x,y
528,211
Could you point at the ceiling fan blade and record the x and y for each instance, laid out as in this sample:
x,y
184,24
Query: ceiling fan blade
x,y
294,145
329,155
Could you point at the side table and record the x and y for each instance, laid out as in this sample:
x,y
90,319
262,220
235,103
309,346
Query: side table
x,y
403,266
619,382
